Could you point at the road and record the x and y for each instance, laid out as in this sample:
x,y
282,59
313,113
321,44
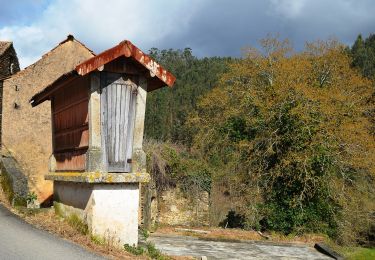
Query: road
x,y
191,246
19,240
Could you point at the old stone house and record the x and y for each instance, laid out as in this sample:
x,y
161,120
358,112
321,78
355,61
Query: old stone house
x,y
8,65
8,60
26,131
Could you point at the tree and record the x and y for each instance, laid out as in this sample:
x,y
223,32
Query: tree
x,y
167,109
287,131
363,53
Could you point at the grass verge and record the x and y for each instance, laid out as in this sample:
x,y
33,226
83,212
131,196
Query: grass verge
x,y
148,250
357,253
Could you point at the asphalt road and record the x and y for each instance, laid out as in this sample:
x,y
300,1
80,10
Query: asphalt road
x,y
19,240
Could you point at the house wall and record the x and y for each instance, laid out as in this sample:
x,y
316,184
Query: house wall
x,y
26,131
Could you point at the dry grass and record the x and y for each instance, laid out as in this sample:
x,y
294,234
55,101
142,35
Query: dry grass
x,y
239,234
47,220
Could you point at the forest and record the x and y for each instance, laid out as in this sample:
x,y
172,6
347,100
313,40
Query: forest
x,y
288,136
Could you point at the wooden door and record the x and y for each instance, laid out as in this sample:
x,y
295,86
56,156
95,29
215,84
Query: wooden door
x,y
118,109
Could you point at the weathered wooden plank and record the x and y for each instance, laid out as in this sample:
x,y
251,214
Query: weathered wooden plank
x,y
72,160
73,104
69,94
70,125
113,119
72,117
129,144
118,122
122,123
126,122
109,122
104,107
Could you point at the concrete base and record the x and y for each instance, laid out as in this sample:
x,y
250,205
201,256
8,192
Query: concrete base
x,y
99,177
110,210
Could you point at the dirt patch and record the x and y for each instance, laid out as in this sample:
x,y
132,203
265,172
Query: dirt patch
x,y
222,234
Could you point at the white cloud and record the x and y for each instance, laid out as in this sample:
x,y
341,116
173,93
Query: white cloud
x,y
100,24
209,27
288,8
28,41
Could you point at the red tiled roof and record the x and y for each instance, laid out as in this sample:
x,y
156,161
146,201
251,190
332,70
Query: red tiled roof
x,y
159,76
127,49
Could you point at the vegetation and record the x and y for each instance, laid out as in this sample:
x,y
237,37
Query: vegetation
x,y
150,250
31,197
6,185
167,109
358,253
286,135
363,53
288,131
98,240
75,222
154,253
171,165
134,250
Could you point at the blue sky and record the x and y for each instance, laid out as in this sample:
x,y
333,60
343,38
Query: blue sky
x,y
209,27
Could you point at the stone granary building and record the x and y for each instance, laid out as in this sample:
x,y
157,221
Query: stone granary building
x,y
80,137
26,131
97,161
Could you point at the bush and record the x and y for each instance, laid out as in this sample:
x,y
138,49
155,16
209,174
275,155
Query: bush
x,y
74,221
172,165
134,250
288,133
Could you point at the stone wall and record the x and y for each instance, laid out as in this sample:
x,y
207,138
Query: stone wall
x,y
174,208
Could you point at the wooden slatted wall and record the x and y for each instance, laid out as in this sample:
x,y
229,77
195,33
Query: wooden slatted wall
x,y
118,107
70,125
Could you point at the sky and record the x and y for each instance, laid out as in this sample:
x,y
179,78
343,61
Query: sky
x,y
209,27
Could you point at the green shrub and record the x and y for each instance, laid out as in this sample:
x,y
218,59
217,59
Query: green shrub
x,y
98,240
134,250
173,165
154,253
150,250
145,233
78,224
31,197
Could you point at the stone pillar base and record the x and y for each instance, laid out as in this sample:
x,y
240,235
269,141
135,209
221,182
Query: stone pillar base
x,y
109,210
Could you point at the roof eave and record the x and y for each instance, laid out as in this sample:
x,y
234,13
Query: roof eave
x,y
46,93
127,49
